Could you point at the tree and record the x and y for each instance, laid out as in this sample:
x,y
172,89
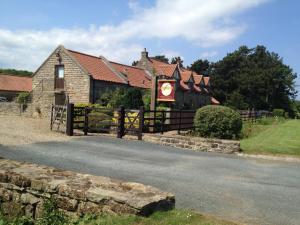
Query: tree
x,y
131,98
256,77
15,72
162,58
201,66
176,60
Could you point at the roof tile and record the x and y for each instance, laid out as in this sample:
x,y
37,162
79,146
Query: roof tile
x,y
15,83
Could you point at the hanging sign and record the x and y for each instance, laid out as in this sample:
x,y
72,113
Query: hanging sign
x,y
166,90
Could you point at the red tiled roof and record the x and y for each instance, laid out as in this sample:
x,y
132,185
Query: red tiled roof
x,y
97,67
214,101
156,62
184,86
163,68
15,83
197,78
185,75
206,81
167,70
196,88
206,90
137,77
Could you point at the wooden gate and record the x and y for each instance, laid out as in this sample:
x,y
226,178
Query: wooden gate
x,y
58,119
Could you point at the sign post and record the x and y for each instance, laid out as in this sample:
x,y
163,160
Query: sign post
x,y
163,90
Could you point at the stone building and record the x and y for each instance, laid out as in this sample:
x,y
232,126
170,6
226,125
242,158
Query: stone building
x,y
11,86
191,91
76,77
68,75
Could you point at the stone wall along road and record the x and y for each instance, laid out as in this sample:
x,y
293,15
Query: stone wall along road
x,y
24,187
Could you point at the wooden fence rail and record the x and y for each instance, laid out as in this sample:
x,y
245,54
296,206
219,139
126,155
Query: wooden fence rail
x,y
123,121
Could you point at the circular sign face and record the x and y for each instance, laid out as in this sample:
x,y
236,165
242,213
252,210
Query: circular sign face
x,y
166,89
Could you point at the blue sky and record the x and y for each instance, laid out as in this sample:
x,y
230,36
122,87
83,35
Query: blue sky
x,y
118,30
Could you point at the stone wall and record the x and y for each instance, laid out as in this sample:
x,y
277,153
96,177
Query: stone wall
x,y
16,109
24,187
10,108
194,143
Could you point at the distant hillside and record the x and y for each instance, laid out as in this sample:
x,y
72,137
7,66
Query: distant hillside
x,y
21,73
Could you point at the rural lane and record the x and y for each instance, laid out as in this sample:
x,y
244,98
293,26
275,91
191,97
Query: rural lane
x,y
246,190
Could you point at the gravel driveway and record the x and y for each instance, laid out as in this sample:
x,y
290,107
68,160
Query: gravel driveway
x,y
16,130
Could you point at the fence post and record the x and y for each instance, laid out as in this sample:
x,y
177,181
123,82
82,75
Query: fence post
x,y
86,121
121,122
141,122
70,119
179,128
162,120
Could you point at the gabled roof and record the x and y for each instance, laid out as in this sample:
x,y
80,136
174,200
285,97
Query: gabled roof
x,y
184,86
163,68
197,78
186,75
206,81
98,67
197,89
156,62
136,77
214,101
167,70
15,83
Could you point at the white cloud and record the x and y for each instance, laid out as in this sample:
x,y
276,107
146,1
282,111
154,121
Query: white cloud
x,y
204,23
208,54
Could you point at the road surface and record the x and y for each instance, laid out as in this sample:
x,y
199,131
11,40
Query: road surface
x,y
246,190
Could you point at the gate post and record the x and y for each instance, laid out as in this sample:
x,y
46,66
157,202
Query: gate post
x,y
51,118
86,121
121,122
70,119
141,122
180,121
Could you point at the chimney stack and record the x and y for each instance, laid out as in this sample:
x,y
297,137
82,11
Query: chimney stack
x,y
144,53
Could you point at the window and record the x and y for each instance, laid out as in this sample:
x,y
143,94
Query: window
x,y
60,71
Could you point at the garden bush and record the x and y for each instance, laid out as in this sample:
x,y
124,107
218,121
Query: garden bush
x,y
23,97
217,122
278,112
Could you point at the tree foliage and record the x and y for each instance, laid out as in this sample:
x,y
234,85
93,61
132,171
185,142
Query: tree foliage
x,y
24,73
253,78
201,66
162,58
131,98
176,60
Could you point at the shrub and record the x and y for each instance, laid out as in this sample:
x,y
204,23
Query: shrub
x,y
217,122
51,215
23,97
278,112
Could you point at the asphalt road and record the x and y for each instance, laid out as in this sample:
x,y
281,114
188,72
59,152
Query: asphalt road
x,y
245,190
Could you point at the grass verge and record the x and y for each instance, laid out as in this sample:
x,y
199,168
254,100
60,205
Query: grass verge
x,y
174,217
272,136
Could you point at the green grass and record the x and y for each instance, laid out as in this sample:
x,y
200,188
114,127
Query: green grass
x,y
174,217
272,136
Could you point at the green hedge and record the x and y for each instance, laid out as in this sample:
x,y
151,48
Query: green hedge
x,y
278,112
217,122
